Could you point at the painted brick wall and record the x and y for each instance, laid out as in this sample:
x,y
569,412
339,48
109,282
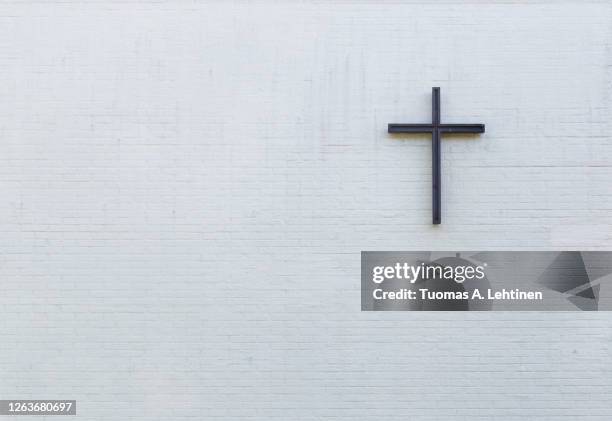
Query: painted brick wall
x,y
187,186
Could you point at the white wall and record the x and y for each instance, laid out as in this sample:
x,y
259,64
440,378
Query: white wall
x,y
187,186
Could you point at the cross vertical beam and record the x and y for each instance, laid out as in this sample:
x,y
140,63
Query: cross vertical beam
x,y
436,128
436,159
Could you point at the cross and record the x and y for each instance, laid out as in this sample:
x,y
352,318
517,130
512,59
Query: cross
x,y
436,129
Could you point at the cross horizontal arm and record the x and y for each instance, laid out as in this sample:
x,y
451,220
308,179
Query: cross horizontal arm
x,y
410,128
461,128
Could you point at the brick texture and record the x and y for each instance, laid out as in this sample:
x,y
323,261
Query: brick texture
x,y
187,187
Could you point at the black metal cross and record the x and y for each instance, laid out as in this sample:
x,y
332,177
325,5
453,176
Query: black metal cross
x,y
436,129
